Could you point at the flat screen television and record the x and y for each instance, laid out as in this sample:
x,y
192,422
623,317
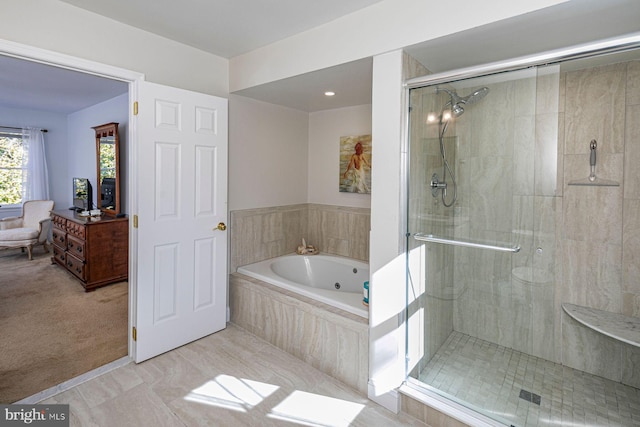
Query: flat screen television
x,y
82,194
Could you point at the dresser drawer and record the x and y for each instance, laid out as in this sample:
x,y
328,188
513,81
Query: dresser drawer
x,y
75,265
59,254
76,229
59,237
59,222
76,247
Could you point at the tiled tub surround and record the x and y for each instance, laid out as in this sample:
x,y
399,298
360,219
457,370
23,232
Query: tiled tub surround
x,y
263,233
329,339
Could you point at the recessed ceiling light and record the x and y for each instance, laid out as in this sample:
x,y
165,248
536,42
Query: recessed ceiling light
x,y
329,93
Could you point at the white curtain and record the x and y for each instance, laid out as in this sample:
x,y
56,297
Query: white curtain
x,y
35,185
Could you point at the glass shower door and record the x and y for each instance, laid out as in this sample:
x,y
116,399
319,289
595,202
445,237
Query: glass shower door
x,y
478,288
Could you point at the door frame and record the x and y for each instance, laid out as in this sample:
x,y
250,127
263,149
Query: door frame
x,y
133,78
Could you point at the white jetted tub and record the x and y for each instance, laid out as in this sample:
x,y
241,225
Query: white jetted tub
x,y
333,280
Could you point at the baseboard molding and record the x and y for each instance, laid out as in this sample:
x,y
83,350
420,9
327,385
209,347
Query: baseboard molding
x,y
73,382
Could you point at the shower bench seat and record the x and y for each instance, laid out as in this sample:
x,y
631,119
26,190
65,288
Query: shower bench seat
x,y
614,325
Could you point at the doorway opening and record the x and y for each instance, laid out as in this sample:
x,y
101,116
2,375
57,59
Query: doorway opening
x,y
91,71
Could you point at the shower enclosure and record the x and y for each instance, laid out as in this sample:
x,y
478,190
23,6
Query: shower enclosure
x,y
503,250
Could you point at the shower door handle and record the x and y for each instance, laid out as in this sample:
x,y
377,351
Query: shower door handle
x,y
433,239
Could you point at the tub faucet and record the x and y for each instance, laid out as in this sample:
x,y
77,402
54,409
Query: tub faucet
x,y
306,249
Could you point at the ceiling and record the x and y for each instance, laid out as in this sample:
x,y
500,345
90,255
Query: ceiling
x,y
226,28
34,86
229,28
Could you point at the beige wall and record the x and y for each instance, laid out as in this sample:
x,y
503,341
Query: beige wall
x,y
268,152
325,129
283,182
280,156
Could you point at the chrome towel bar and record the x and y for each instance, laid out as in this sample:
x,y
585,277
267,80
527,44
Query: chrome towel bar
x,y
433,239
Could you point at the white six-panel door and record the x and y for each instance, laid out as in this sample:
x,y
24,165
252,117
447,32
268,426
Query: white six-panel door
x,y
182,197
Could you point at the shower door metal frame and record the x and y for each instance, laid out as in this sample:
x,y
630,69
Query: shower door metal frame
x,y
557,56
629,42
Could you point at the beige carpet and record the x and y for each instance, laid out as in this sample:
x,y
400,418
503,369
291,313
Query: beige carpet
x,y
51,330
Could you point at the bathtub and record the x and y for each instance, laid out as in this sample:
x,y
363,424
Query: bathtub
x,y
333,280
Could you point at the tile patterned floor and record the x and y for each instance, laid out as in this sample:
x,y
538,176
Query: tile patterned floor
x,y
231,378
490,376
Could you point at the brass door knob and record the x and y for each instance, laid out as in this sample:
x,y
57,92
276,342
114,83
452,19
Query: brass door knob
x,y
221,226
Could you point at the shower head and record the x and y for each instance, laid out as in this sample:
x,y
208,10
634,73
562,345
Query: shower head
x,y
456,102
476,95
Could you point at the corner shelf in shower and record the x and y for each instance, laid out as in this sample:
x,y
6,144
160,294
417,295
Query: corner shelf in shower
x,y
618,326
592,180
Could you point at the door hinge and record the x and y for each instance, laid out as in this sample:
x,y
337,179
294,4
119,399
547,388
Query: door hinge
x,y
135,108
135,221
134,332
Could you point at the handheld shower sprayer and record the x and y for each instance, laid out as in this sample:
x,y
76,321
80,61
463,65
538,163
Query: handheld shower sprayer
x,y
456,103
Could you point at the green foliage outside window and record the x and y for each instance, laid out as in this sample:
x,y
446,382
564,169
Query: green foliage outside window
x,y
11,170
107,160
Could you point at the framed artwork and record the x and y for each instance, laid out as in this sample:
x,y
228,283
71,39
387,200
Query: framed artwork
x,y
355,164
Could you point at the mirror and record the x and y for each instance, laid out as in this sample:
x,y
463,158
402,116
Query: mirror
x,y
108,168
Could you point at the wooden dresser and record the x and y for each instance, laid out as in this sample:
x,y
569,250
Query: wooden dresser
x,y
95,250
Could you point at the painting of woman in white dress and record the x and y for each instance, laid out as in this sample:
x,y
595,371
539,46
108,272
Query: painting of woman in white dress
x,y
355,164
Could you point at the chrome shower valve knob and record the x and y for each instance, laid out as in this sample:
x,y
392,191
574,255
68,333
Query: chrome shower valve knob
x,y
436,185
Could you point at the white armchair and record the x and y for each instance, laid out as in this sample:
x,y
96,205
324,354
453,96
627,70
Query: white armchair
x,y
30,229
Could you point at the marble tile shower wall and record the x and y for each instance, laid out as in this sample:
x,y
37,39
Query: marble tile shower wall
x,y
601,225
580,245
497,197
263,233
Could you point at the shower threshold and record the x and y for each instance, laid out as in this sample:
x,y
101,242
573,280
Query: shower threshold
x,y
527,390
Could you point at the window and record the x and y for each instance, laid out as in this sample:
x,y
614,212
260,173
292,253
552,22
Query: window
x,y
13,168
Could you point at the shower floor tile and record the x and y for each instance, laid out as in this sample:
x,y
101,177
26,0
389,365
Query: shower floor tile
x,y
526,390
